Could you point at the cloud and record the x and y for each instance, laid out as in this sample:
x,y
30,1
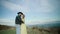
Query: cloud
x,y
45,21
14,7
45,6
8,22
11,22
36,5
40,6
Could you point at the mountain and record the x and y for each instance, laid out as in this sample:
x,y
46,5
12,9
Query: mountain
x,y
53,24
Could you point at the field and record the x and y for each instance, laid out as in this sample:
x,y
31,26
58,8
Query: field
x,y
7,32
13,32
29,31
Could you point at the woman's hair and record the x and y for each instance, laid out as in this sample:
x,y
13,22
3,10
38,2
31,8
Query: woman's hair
x,y
23,15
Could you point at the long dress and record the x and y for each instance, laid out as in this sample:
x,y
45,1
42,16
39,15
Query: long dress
x,y
23,28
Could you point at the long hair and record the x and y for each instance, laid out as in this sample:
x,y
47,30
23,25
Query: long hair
x,y
23,18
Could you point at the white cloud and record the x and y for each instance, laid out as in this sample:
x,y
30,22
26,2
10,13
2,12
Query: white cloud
x,y
41,6
8,22
11,22
45,6
14,7
45,21
37,5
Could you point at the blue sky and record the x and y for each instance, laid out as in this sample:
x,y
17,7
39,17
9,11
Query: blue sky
x,y
35,11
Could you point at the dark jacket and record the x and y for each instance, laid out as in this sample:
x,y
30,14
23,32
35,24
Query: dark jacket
x,y
18,20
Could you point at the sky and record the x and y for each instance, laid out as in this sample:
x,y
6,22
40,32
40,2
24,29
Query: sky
x,y
36,11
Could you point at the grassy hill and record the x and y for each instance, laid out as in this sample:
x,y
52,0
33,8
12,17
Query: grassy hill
x,y
7,32
30,30
7,29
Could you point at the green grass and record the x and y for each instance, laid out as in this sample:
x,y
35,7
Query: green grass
x,y
29,31
8,32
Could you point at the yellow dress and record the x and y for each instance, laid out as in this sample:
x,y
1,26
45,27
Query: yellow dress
x,y
23,28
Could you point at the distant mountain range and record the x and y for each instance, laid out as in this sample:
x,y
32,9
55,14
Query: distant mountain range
x,y
54,24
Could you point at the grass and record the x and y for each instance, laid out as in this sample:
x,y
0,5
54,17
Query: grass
x,y
30,31
7,32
